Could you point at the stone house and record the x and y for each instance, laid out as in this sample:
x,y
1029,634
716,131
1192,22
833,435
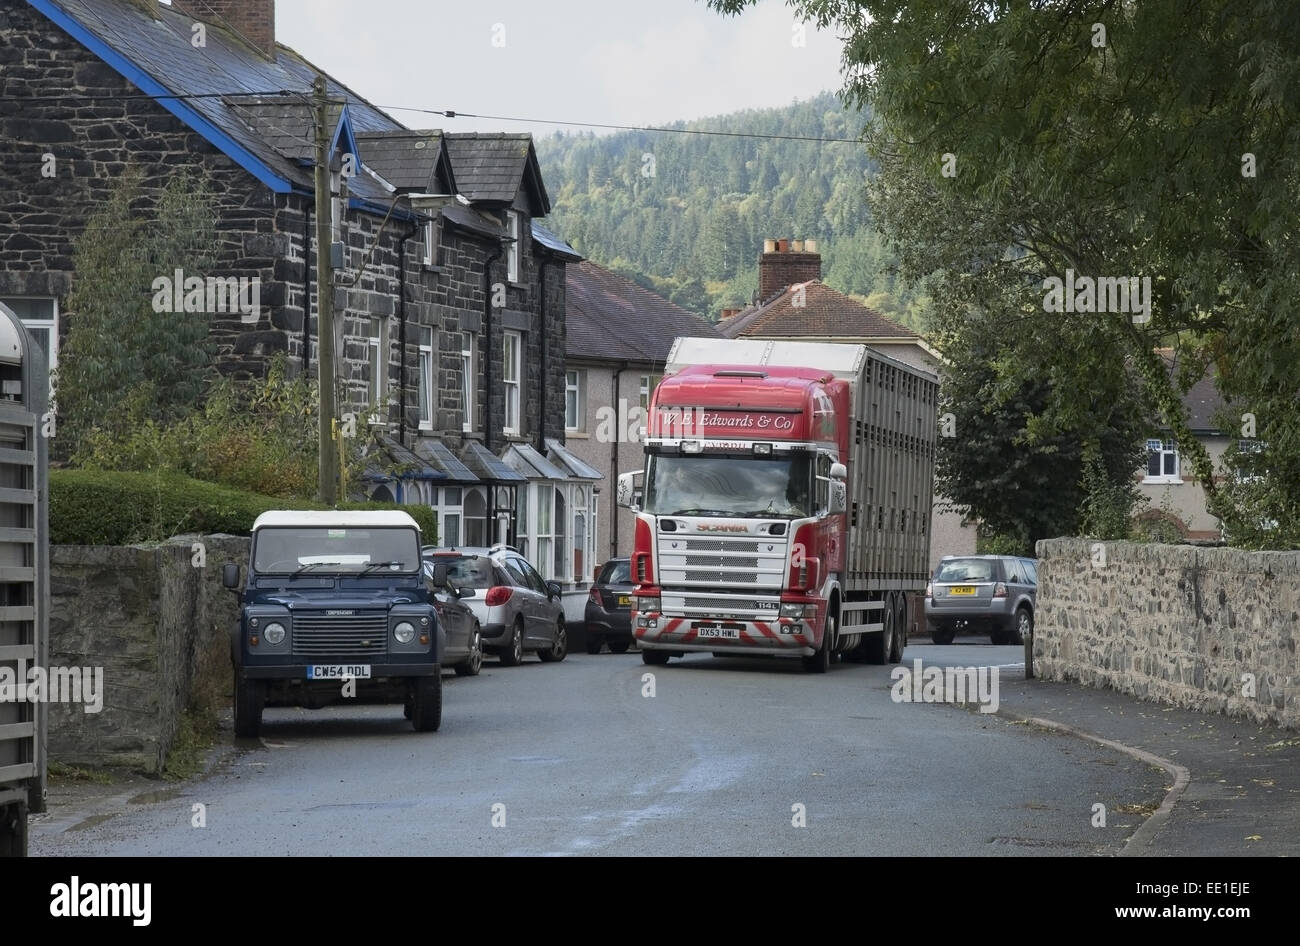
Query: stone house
x,y
449,299
793,304
619,336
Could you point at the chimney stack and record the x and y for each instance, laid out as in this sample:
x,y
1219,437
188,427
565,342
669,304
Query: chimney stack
x,y
254,20
783,266
727,314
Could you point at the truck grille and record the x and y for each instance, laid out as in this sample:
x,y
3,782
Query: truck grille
x,y
324,635
742,607
734,563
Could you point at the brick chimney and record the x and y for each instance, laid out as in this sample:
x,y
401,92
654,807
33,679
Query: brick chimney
x,y
254,20
779,266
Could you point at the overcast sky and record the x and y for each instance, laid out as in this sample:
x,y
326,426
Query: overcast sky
x,y
610,61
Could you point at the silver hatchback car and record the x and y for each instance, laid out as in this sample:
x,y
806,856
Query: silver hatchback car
x,y
517,610
993,594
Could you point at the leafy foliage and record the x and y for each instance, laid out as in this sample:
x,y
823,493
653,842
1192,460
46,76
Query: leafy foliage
x,y
117,345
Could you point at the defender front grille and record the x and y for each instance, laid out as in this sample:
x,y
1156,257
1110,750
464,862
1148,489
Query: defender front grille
x,y
325,635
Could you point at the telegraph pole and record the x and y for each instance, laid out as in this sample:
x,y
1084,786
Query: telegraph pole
x,y
328,467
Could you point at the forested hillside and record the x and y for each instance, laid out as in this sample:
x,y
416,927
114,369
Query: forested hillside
x,y
686,214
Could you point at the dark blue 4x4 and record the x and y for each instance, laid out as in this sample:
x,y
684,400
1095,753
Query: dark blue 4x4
x,y
335,609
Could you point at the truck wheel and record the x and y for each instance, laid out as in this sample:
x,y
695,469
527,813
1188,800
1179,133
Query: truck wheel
x,y
250,695
13,830
1023,626
655,658
820,662
899,640
426,710
879,646
619,647
559,648
471,665
515,655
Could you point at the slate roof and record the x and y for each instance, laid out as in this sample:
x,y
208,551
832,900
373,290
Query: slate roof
x,y
484,464
611,317
492,168
553,244
1203,399
825,312
151,46
412,161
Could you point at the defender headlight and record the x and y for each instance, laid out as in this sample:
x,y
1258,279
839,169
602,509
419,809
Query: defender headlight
x,y
404,632
274,633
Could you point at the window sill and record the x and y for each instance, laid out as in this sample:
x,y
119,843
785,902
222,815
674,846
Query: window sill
x,y
431,268
1162,481
578,434
427,428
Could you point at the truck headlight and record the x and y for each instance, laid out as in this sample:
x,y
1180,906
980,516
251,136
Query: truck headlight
x,y
274,633
404,632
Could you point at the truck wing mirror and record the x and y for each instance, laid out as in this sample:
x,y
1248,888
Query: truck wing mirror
x,y
839,497
628,494
230,576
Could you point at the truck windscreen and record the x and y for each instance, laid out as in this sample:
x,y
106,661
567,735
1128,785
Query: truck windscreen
x,y
698,485
312,550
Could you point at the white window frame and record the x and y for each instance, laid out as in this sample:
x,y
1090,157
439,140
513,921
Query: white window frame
x,y
512,251
431,230
468,380
376,341
523,526
426,369
648,384
545,531
452,503
51,325
575,383
1164,448
337,207
512,371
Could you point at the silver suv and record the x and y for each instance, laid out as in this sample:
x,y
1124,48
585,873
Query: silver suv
x,y
517,610
993,594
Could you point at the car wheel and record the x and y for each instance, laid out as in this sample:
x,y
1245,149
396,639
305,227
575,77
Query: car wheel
x,y
619,647
426,707
470,666
559,648
820,662
514,655
594,644
943,635
249,698
1023,628
655,658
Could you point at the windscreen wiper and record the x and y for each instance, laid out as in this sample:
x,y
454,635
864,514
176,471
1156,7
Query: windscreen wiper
x,y
312,565
374,565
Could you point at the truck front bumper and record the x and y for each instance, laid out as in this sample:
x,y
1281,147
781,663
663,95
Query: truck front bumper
x,y
751,637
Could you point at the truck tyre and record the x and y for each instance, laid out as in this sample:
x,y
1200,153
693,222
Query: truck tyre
x,y
250,696
559,648
820,662
1023,626
655,658
878,646
513,655
426,707
900,630
13,830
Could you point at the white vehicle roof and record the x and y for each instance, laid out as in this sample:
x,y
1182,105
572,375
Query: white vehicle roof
x,y
324,518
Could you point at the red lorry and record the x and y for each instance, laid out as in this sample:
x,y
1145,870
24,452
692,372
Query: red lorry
x,y
784,508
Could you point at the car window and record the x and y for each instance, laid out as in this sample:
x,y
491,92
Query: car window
x,y
615,573
965,569
467,571
535,581
1014,567
1031,571
516,575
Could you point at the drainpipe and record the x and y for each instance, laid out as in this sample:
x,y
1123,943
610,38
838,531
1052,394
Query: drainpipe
x,y
401,333
541,374
306,285
613,459
487,335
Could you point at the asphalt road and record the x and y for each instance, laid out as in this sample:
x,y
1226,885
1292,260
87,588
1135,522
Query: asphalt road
x,y
726,758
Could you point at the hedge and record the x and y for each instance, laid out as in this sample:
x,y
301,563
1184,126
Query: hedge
x,y
95,507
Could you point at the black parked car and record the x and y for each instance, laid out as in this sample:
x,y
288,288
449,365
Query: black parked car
x,y
609,608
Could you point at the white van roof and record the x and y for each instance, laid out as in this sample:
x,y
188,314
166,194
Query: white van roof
x,y
325,518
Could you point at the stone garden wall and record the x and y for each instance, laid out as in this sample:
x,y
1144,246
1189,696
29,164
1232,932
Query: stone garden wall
x,y
1205,628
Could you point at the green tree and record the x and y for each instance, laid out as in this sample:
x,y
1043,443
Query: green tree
x,y
122,348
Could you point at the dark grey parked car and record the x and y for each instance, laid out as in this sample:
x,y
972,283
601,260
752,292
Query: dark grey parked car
x,y
608,614
517,610
992,594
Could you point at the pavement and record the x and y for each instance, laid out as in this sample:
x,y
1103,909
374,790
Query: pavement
x,y
1232,787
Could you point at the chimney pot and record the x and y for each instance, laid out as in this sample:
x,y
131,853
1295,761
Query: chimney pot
x,y
810,246
769,246
797,246
782,246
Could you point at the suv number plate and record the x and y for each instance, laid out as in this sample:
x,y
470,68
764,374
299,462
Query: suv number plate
x,y
338,671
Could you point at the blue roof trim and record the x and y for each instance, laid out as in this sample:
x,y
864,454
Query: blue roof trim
x,y
152,87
